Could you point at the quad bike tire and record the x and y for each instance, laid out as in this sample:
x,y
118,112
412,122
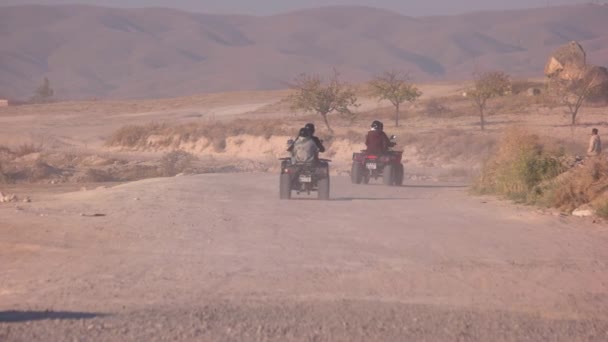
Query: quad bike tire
x,y
356,173
283,165
285,187
388,175
323,189
399,175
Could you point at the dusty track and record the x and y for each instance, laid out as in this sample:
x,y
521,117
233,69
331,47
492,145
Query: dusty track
x,y
219,257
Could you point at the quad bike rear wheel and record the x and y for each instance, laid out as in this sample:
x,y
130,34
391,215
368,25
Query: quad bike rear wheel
x,y
285,186
356,173
388,175
323,188
399,175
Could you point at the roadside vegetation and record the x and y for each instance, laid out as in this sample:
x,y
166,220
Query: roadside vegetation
x,y
539,171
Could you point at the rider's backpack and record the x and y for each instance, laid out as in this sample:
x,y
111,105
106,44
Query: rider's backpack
x,y
304,150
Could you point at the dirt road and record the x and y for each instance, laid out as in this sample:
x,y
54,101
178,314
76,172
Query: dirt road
x,y
219,257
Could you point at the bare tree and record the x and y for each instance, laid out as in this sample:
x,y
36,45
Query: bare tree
x,y
574,93
312,95
395,87
487,85
44,93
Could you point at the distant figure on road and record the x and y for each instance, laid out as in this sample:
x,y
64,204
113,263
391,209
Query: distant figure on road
x,y
595,144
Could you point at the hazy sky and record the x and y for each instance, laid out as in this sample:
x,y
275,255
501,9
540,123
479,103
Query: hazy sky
x,y
408,7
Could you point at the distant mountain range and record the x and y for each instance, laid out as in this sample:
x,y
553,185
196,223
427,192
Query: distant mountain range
x,y
134,53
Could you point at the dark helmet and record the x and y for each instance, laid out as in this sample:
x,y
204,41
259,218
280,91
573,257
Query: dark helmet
x,y
304,132
310,126
377,125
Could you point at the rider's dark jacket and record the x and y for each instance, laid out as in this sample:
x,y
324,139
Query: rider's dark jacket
x,y
377,142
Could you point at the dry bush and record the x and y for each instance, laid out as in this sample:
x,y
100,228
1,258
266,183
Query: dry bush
x,y
176,162
601,209
437,108
41,171
4,177
137,172
581,185
522,162
521,103
95,176
450,144
134,136
28,148
5,152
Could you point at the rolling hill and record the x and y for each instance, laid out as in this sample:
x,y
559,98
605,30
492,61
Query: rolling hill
x,y
133,53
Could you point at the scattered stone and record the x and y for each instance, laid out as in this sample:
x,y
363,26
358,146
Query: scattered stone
x,y
8,198
583,211
27,199
92,215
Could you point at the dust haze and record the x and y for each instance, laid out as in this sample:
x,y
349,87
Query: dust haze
x,y
265,7
142,195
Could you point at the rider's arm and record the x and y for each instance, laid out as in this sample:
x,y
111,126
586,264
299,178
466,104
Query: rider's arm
x,y
386,141
319,144
290,148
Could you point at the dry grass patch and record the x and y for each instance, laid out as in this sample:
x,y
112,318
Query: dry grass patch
x,y
587,183
448,144
28,148
138,136
522,161
176,162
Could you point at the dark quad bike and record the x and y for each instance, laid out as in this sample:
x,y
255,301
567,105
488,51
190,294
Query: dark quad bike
x,y
305,177
387,166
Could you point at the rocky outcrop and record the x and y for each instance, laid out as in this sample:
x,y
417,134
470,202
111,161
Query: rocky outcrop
x,y
569,63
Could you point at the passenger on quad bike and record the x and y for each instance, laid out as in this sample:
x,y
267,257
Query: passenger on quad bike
x,y
304,148
311,128
304,171
377,141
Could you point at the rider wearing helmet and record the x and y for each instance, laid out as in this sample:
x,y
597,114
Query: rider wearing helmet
x,y
377,141
304,149
311,128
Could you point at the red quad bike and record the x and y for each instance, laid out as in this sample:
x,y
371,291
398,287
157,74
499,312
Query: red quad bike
x,y
386,166
304,177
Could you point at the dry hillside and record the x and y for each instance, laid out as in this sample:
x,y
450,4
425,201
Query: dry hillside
x,y
119,53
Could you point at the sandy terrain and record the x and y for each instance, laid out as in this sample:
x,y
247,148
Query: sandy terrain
x,y
219,257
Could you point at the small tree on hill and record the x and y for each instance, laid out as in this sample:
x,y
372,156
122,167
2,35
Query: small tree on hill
x,y
312,95
44,93
487,85
395,87
574,93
